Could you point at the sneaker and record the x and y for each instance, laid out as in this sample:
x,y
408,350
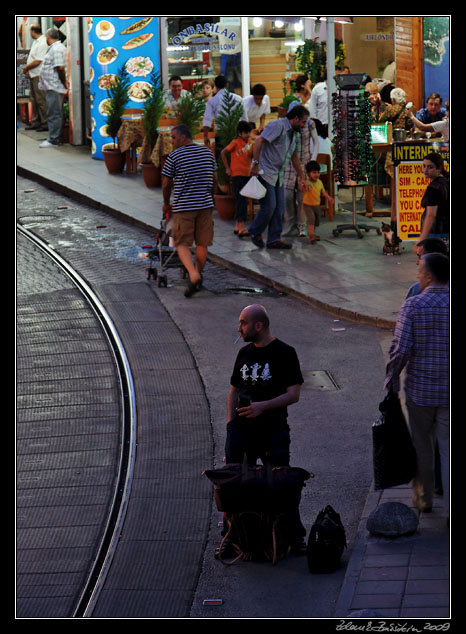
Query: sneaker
x,y
48,144
278,244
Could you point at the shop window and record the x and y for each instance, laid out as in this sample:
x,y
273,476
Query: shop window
x,y
204,47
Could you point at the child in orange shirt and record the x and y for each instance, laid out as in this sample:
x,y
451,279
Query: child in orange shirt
x,y
313,189
239,169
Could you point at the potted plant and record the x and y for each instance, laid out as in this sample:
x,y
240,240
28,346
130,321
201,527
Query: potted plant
x,y
116,104
190,111
226,125
153,111
288,97
311,59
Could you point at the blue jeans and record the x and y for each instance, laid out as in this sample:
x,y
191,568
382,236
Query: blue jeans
x,y
54,115
270,214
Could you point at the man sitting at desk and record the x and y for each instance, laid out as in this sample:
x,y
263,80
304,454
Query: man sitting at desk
x,y
434,111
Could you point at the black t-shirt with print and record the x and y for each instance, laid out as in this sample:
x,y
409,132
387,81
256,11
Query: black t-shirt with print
x,y
263,373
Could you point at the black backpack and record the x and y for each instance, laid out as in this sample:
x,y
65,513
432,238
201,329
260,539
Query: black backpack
x,y
257,502
326,543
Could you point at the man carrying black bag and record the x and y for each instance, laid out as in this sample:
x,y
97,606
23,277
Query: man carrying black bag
x,y
421,345
266,379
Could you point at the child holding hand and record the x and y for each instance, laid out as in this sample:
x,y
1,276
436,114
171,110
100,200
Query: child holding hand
x,y
313,190
239,169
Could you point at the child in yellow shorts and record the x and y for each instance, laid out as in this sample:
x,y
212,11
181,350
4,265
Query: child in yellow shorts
x,y
313,190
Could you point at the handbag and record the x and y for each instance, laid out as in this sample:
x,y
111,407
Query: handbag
x,y
253,189
394,456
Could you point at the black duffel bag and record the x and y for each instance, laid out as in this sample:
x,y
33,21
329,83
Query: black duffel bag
x,y
239,487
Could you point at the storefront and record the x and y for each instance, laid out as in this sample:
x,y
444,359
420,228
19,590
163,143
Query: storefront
x,y
410,52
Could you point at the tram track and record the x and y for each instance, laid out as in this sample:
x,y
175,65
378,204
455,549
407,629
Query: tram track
x,y
95,580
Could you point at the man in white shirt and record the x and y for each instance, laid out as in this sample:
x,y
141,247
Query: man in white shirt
x,y
318,103
53,80
32,70
215,106
257,106
174,93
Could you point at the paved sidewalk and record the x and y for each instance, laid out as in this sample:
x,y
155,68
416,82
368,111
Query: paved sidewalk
x,y
346,276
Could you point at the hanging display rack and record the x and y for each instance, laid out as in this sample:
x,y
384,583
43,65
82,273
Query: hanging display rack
x,y
352,140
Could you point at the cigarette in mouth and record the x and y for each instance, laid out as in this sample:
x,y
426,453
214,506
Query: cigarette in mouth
x,y
237,339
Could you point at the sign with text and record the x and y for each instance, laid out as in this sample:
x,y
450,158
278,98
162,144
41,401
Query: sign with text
x,y
114,42
411,184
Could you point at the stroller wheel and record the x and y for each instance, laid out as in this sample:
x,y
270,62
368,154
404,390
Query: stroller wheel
x,y
162,281
151,274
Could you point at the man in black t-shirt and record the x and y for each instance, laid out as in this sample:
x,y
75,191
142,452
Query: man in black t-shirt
x,y
266,379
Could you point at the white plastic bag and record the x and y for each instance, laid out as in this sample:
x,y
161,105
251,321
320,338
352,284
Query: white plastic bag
x,y
253,189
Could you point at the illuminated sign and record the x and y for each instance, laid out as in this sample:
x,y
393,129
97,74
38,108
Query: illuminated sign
x,y
411,184
114,41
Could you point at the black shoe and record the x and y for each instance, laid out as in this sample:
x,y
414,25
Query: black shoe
x,y
257,240
299,547
190,289
278,244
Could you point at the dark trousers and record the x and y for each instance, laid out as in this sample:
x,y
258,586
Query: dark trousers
x,y
241,202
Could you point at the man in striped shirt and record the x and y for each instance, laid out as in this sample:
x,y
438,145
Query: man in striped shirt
x,y
190,173
421,345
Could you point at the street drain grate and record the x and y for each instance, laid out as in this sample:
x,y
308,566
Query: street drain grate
x,y
319,380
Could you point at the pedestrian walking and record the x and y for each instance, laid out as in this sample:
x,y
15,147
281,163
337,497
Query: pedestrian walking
x,y
279,143
190,173
421,346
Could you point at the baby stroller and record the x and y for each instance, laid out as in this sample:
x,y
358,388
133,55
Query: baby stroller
x,y
164,255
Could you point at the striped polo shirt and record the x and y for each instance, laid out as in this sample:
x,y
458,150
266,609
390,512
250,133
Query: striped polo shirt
x,y
192,168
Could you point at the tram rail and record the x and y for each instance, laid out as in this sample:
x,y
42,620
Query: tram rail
x,y
108,543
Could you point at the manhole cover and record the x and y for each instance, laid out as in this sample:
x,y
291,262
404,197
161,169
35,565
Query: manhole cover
x,y
319,380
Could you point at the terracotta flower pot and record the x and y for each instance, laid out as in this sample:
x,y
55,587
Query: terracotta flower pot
x,y
151,174
114,160
225,206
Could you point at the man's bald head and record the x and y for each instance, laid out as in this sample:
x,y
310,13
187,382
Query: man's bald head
x,y
257,313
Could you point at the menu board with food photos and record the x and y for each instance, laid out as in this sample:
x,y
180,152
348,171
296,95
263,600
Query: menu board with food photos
x,y
114,41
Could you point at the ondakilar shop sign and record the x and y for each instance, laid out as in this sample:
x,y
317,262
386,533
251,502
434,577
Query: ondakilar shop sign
x,y
411,184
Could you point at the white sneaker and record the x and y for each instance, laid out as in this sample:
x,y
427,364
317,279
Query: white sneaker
x,y
47,144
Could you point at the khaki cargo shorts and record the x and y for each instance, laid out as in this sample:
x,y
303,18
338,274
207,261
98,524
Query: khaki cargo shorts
x,y
193,226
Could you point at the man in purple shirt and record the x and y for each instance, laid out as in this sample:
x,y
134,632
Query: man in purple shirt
x,y
421,346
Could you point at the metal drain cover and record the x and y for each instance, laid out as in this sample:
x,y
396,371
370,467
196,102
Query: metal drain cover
x,y
319,380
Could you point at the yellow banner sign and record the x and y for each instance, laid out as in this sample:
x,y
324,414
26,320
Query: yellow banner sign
x,y
411,184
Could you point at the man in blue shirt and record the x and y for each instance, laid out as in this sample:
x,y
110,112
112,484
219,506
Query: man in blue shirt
x,y
421,346
433,110
279,143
